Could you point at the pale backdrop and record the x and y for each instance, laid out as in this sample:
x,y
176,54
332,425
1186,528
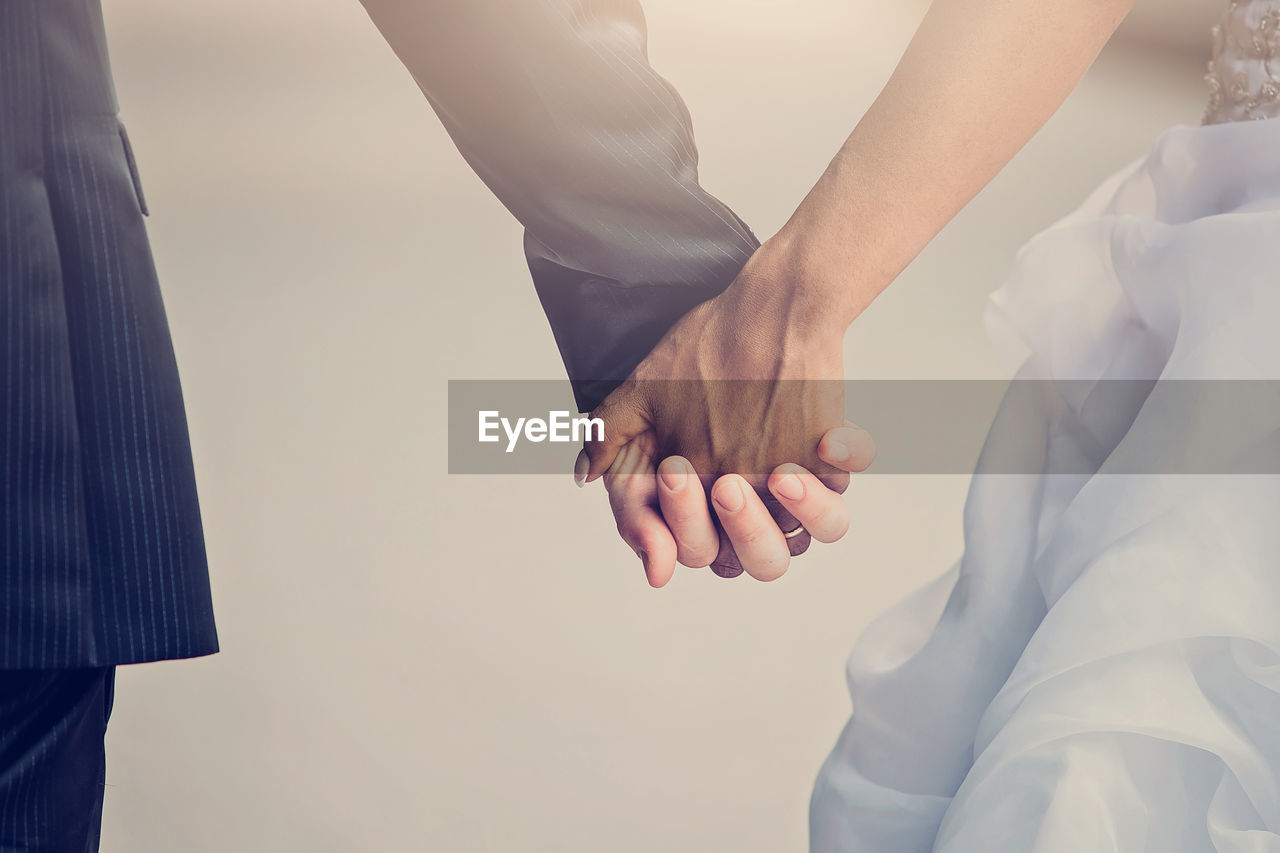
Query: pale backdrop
x,y
414,661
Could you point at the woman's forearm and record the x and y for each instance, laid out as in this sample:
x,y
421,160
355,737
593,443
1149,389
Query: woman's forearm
x,y
977,81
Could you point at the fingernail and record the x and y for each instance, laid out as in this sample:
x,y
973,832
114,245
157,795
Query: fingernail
x,y
580,468
674,474
790,487
837,451
728,496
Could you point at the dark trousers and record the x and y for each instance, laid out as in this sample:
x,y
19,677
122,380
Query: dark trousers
x,y
52,762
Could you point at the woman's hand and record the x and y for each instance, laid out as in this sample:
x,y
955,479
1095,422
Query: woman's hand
x,y
664,516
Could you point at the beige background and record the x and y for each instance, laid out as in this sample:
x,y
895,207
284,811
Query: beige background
x,y
414,661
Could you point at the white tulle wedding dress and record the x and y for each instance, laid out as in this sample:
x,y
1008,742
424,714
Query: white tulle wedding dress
x,y
1101,670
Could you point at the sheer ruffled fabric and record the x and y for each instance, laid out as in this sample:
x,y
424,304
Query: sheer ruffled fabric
x,y
1101,669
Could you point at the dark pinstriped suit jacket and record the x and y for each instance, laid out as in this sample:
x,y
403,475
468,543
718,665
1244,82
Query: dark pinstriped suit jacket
x,y
101,552
551,101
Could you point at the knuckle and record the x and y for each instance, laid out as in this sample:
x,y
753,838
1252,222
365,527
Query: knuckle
x,y
684,514
650,544
696,557
627,530
748,535
819,514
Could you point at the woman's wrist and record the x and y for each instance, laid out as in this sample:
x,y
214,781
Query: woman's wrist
x,y
803,279
776,307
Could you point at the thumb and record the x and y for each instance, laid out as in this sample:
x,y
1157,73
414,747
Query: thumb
x,y
624,415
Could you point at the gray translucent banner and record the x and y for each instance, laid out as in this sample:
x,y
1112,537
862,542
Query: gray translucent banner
x,y
919,426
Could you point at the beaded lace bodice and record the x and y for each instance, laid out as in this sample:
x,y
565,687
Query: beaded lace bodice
x,y
1244,73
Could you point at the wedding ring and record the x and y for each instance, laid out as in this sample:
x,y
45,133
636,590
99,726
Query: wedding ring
x,y
792,534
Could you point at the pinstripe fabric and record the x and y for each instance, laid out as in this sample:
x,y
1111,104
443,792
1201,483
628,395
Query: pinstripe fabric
x,y
555,105
52,762
101,550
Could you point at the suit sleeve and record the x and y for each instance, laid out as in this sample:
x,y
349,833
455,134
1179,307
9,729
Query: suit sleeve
x,y
555,106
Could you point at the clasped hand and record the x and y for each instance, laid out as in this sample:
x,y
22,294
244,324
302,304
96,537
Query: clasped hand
x,y
742,399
